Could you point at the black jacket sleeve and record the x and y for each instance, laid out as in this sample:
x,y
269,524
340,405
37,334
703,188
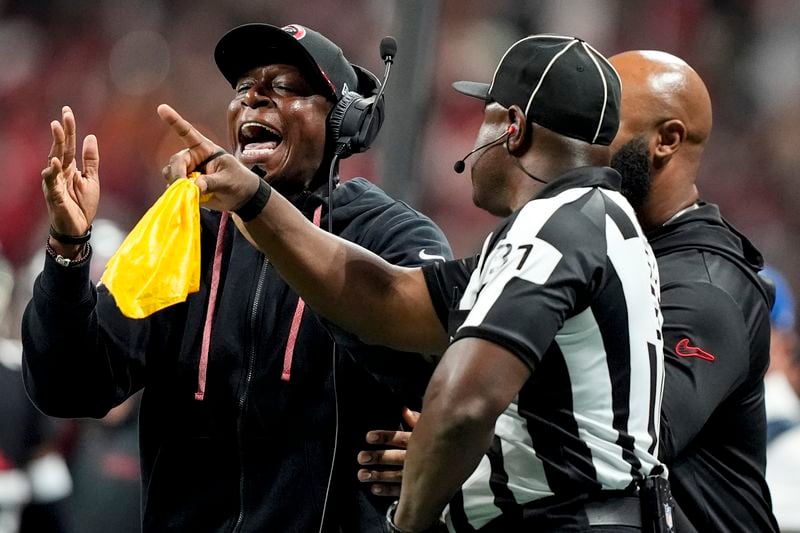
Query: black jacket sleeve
x,y
81,357
706,352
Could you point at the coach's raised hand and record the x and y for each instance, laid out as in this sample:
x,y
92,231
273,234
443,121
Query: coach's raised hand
x,y
71,195
231,183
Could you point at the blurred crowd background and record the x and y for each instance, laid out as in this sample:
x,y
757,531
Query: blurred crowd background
x,y
114,61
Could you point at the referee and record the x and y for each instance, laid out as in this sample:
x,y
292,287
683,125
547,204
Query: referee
x,y
543,412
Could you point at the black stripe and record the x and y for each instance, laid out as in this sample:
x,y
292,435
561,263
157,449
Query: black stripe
x,y
545,402
621,220
457,515
616,342
498,483
651,423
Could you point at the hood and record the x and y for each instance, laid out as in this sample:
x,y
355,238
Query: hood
x,y
705,229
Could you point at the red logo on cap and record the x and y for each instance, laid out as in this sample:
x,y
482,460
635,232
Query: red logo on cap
x,y
295,30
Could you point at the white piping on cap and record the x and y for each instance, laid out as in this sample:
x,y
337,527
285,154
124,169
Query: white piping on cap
x,y
499,63
605,91
546,70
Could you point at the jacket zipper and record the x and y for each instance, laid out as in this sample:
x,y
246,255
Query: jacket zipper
x,y
246,388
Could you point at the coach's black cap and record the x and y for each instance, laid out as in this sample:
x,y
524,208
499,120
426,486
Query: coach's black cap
x,y
253,45
561,83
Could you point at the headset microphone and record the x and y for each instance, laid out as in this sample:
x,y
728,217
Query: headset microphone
x,y
388,49
355,120
459,165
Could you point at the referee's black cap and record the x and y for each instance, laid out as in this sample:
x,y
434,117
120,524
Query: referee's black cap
x,y
562,83
253,45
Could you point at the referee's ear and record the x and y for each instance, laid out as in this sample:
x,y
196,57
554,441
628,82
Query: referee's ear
x,y
518,140
671,134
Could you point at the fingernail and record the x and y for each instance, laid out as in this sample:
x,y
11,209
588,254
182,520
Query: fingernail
x,y
365,457
373,437
377,489
364,475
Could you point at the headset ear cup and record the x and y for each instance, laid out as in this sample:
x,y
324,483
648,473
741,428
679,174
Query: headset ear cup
x,y
355,121
336,121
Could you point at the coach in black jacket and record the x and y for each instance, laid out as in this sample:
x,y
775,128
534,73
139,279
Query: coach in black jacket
x,y
247,400
715,306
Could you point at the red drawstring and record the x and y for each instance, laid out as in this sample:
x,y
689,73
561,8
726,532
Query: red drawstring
x,y
298,316
212,303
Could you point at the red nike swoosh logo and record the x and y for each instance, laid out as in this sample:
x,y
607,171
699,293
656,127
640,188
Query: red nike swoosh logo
x,y
684,350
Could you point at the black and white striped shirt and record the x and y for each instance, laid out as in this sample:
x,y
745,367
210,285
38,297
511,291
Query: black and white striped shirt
x,y
568,284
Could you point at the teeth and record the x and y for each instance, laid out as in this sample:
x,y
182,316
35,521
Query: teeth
x,y
246,129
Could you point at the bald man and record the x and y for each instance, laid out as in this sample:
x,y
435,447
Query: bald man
x,y
715,306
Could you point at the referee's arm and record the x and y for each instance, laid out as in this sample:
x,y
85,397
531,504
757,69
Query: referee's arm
x,y
472,385
359,291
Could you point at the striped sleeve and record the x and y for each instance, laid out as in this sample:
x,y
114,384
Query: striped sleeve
x,y
540,272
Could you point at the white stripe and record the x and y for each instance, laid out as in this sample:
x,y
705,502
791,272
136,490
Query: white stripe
x,y
581,344
603,58
474,285
527,480
625,255
605,92
530,37
544,74
478,497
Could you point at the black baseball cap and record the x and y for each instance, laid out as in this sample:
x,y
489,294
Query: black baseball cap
x,y
561,83
253,45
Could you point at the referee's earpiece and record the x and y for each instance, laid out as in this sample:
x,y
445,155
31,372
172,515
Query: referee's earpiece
x,y
356,119
511,130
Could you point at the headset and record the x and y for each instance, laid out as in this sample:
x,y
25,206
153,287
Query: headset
x,y
460,165
512,129
356,119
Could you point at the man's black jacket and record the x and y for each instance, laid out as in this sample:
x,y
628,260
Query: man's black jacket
x,y
716,349
255,454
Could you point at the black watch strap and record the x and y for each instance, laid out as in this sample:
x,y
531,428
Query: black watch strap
x,y
69,239
256,203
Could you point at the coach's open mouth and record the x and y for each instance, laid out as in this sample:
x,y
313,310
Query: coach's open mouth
x,y
257,140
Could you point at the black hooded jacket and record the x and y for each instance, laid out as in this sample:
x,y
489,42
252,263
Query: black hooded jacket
x,y
255,453
716,347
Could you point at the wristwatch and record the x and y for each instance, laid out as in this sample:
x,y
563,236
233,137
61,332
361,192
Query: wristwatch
x,y
391,527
